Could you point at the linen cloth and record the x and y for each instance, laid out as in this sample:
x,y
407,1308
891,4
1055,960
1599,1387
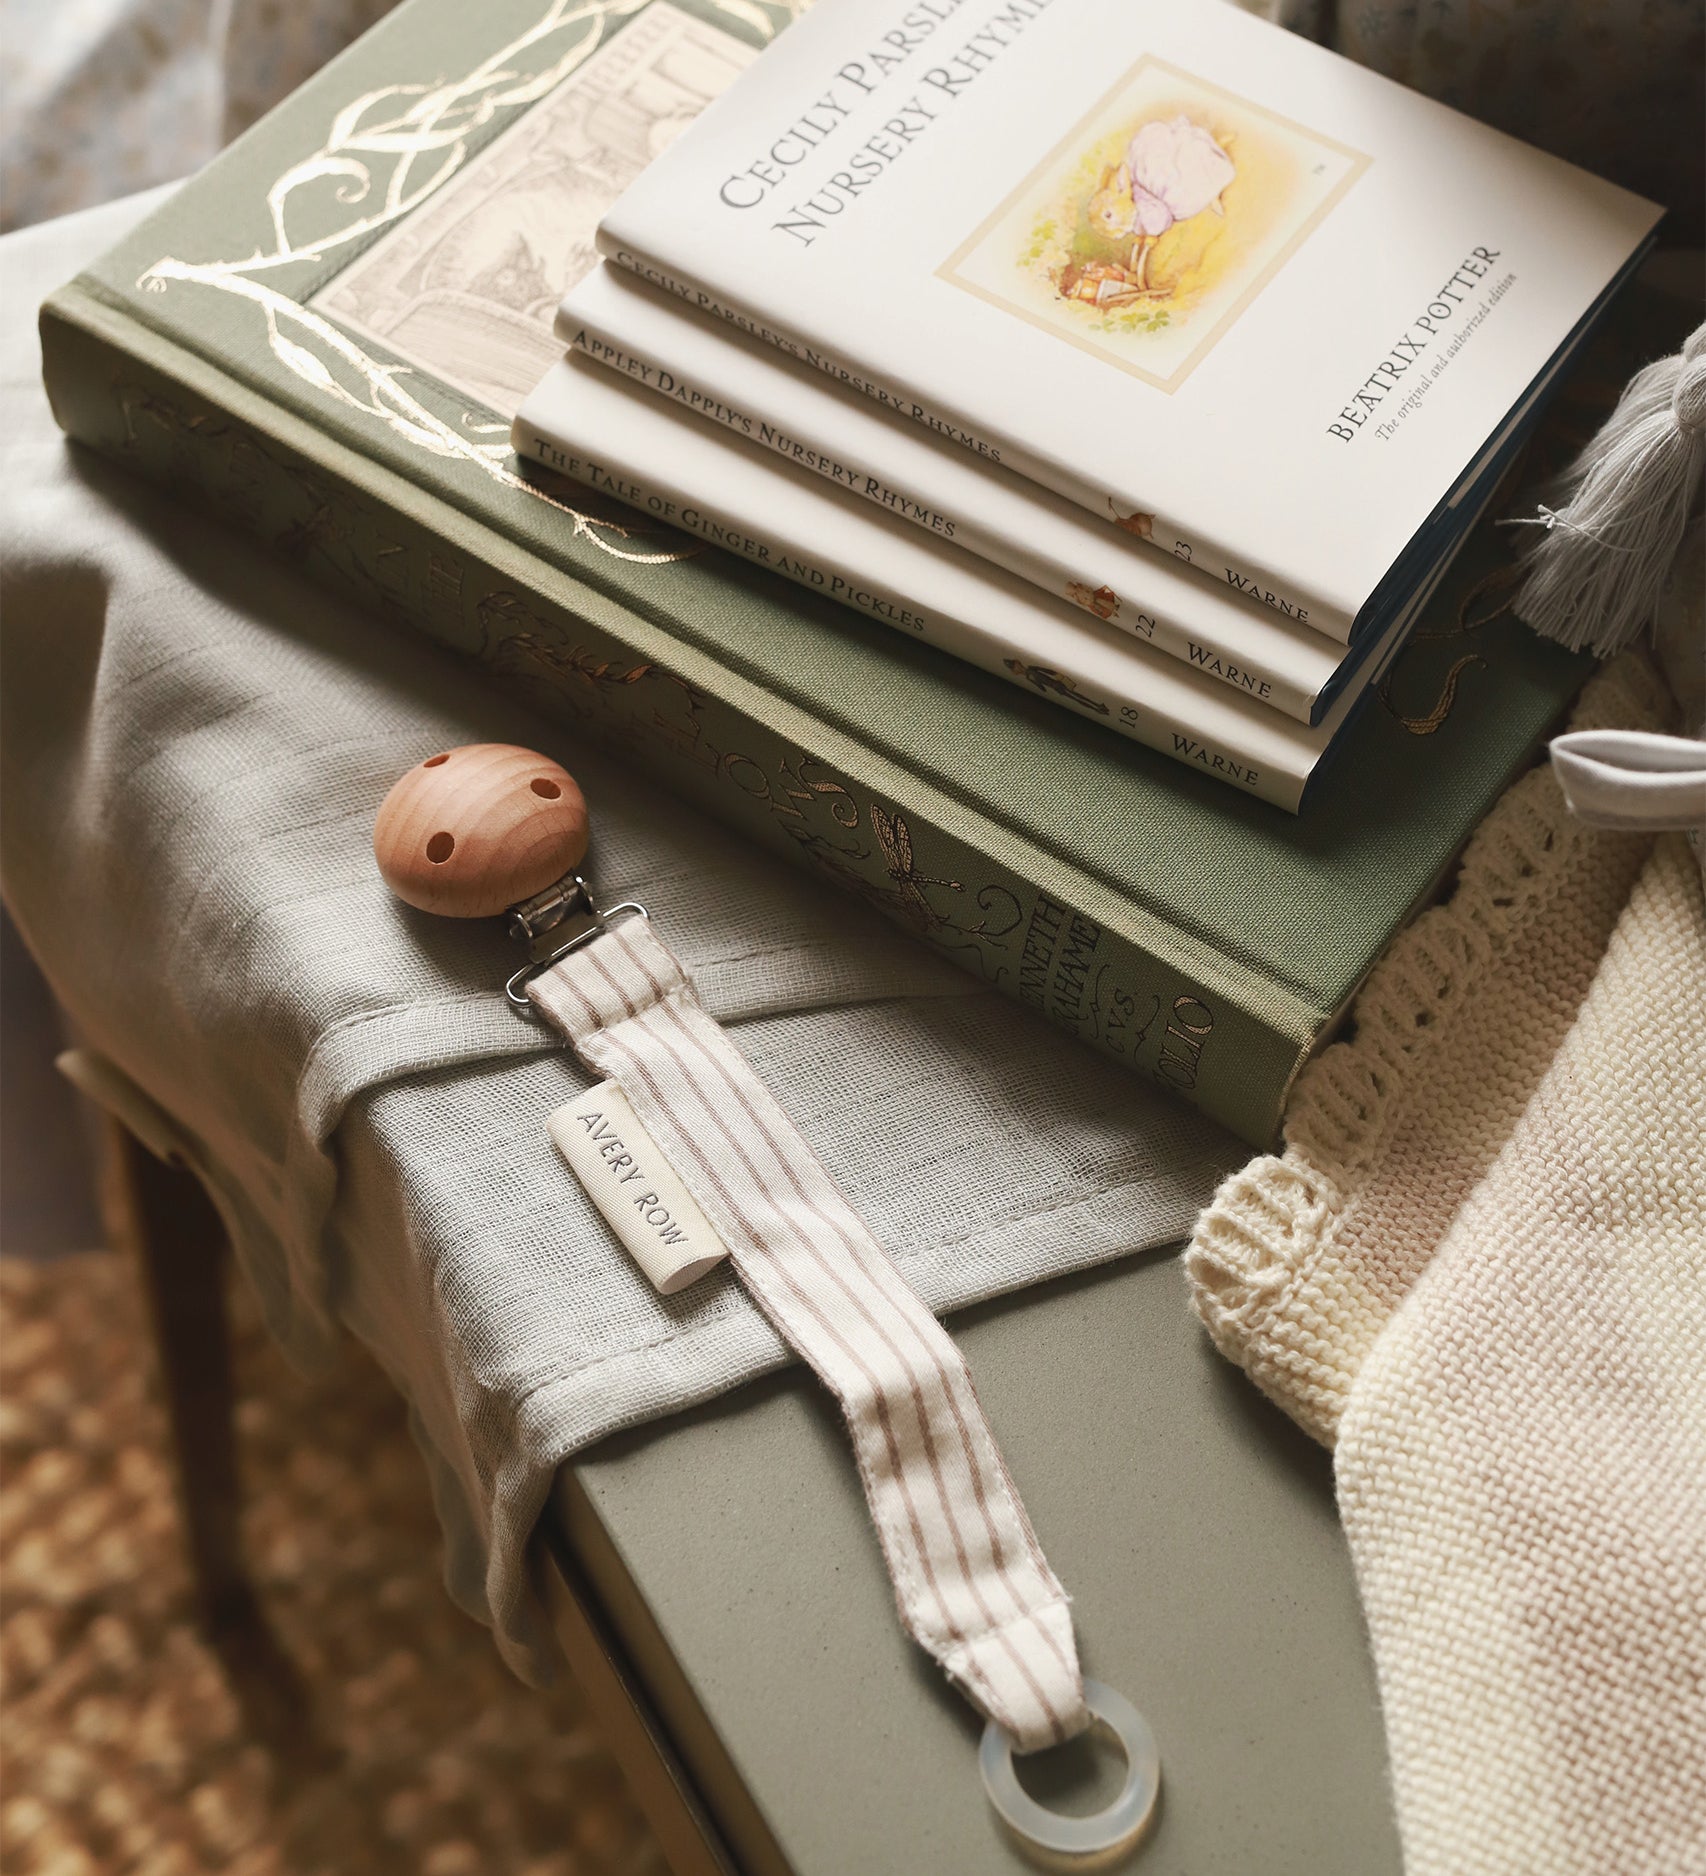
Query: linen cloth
x,y
193,747
1478,1273
104,97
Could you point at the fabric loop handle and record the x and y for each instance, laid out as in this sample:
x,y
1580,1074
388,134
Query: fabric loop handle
x,y
1632,779
973,1586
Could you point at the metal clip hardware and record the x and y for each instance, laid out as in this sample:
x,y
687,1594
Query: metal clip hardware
x,y
544,912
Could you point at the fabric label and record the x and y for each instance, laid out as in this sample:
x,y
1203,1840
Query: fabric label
x,y
627,1177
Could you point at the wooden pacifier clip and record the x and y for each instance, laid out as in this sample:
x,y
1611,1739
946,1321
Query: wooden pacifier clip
x,y
690,1158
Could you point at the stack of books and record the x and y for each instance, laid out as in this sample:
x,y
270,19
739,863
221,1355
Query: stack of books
x,y
1145,356
1137,351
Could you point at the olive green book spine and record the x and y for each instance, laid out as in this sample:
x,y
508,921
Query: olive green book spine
x,y
324,337
754,762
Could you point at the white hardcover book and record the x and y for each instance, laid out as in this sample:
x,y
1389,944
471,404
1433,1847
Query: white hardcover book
x,y
1183,267
605,430
824,428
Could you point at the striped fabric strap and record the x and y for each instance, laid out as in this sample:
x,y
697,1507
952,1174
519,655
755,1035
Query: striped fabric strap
x,y
972,1583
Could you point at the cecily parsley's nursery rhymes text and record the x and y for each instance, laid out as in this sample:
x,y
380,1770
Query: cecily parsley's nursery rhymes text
x,y
938,87
1442,322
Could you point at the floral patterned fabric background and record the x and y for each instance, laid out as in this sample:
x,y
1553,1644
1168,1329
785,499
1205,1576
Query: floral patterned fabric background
x,y
103,97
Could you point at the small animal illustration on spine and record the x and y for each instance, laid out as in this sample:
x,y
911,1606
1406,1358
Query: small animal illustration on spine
x,y
1103,601
1051,682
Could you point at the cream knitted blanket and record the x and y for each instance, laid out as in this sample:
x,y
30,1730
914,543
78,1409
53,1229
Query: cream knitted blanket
x,y
1478,1273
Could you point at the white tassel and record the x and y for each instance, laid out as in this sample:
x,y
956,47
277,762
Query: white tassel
x,y
1594,576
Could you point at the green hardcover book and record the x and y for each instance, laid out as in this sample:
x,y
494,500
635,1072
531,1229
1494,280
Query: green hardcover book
x,y
325,335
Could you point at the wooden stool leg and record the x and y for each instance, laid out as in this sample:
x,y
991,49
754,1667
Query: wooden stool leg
x,y
164,1217
161,1213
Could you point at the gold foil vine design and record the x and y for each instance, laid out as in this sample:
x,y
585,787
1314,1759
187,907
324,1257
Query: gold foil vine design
x,y
385,153
1488,599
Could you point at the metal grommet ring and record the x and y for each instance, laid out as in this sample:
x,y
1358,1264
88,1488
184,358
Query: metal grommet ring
x,y
1101,1830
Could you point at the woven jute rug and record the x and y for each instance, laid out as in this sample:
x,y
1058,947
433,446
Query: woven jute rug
x,y
124,1750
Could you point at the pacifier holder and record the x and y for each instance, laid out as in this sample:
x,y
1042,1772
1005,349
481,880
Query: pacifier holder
x,y
972,1584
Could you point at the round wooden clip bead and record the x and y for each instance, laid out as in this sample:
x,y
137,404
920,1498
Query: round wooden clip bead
x,y
475,830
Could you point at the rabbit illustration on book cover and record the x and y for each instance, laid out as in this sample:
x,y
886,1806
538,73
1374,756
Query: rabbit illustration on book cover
x,y
1172,171
1156,221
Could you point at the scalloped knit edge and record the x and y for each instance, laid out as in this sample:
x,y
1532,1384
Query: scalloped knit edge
x,y
1266,1221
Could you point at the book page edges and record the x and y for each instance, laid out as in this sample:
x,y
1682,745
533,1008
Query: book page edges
x,y
747,388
